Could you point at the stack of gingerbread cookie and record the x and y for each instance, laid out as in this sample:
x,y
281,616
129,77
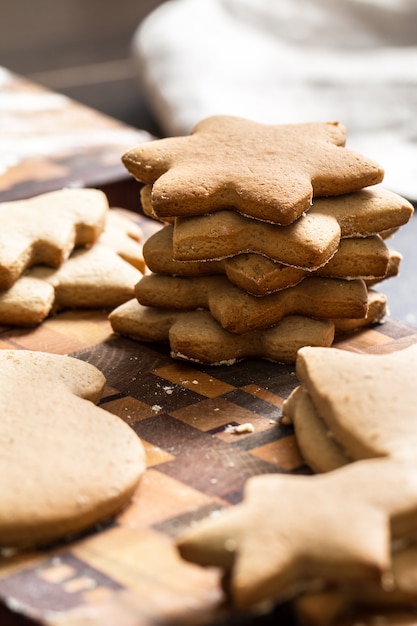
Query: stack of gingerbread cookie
x,y
272,238
65,249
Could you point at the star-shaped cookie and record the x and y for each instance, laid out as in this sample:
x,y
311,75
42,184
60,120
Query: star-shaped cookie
x,y
196,336
240,312
98,276
125,237
309,242
357,257
46,228
92,278
292,531
270,172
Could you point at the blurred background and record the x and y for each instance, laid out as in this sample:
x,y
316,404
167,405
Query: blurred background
x,y
80,48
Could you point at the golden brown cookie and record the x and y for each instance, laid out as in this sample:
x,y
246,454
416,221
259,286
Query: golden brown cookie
x,y
359,257
147,208
66,464
393,268
239,312
319,449
367,258
309,242
45,229
101,275
294,531
124,236
367,403
376,312
270,172
196,336
91,278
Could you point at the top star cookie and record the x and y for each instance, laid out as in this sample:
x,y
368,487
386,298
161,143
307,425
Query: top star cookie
x,y
269,172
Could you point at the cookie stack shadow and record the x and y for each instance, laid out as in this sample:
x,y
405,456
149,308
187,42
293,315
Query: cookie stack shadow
x,y
226,285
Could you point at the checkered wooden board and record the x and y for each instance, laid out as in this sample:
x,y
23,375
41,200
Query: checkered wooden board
x,y
127,573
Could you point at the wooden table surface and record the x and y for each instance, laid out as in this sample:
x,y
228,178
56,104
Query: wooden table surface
x,y
49,141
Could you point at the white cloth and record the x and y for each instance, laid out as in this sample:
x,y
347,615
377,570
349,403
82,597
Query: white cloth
x,y
285,61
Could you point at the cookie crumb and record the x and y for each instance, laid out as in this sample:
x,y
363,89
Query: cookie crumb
x,y
240,428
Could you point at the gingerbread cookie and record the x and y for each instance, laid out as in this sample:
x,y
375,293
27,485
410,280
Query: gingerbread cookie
x,y
239,312
45,229
319,449
385,429
91,278
66,464
368,211
291,532
147,208
124,236
308,243
359,257
394,262
270,172
377,310
372,421
196,336
102,275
